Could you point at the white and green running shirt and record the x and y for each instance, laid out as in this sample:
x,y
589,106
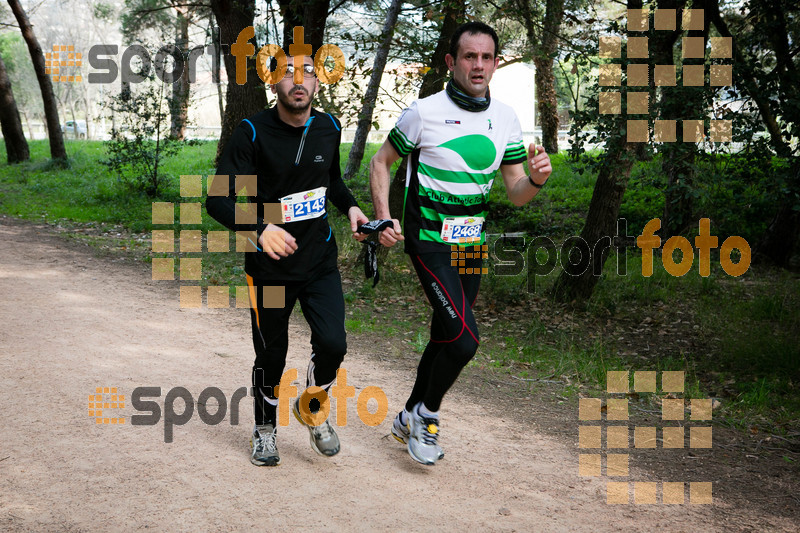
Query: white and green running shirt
x,y
453,157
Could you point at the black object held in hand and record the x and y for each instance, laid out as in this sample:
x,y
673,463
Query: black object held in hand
x,y
371,251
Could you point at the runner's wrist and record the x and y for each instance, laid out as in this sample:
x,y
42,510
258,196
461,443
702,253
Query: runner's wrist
x,y
536,186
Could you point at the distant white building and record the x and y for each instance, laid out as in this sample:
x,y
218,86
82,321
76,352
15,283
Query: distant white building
x,y
515,85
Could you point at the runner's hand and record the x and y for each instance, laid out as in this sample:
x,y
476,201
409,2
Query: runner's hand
x,y
539,164
391,236
357,217
277,242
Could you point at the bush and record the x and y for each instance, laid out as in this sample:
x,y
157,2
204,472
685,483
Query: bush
x,y
137,148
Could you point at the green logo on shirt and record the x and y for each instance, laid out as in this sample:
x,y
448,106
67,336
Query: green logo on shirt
x,y
477,151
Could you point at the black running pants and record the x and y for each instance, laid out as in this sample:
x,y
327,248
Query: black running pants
x,y
454,332
323,308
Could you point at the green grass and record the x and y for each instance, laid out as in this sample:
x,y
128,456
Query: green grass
x,y
86,191
759,333
745,332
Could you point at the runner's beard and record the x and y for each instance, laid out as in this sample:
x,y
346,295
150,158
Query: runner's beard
x,y
292,105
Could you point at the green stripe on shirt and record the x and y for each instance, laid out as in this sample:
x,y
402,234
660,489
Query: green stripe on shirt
x,y
428,235
400,142
454,176
515,153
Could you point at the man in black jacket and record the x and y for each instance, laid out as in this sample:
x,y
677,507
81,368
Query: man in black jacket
x,y
293,150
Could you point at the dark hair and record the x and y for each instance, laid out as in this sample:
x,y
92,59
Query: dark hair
x,y
473,28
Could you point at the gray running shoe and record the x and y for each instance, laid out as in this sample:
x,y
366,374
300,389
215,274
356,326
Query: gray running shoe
x,y
399,430
323,438
401,433
424,432
264,445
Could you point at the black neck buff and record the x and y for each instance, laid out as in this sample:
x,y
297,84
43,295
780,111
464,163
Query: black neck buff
x,y
465,101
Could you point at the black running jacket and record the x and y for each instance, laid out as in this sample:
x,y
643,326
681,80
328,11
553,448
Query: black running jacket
x,y
286,160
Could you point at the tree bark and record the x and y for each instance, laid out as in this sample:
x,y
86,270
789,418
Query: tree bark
x,y
13,136
545,76
89,117
601,220
245,100
370,97
179,101
543,48
612,180
311,15
782,237
678,103
216,70
57,149
28,123
434,80
314,19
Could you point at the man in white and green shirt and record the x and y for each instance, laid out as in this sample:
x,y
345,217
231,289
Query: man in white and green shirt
x,y
455,141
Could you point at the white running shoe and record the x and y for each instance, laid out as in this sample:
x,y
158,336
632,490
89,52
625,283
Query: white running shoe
x,y
264,446
324,440
401,433
424,433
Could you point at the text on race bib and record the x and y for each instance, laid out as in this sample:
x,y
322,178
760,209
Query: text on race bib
x,y
462,229
303,205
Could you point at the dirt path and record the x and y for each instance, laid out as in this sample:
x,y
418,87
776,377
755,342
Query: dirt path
x,y
71,323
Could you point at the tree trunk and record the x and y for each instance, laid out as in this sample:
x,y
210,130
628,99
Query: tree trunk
x,y
292,15
435,78
453,12
545,75
89,116
311,15
245,100
547,103
601,220
28,125
543,48
75,129
57,149
179,102
679,158
314,20
215,66
370,97
13,136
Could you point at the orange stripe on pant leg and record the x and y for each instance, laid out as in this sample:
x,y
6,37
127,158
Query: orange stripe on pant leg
x,y
253,302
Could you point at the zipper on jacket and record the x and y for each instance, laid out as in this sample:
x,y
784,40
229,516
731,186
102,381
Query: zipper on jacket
x,y
302,142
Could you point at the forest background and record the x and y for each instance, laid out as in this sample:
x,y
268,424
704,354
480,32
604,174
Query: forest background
x,y
712,134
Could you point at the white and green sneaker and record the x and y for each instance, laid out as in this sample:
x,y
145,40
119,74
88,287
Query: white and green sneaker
x,y
264,446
